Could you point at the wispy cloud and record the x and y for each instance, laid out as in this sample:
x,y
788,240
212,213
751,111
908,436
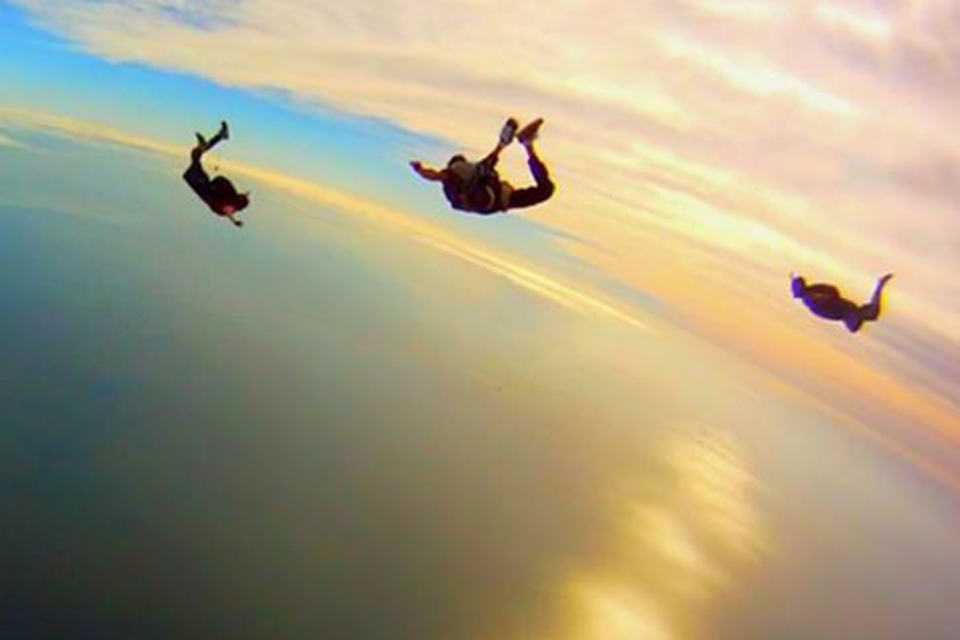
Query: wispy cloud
x,y
862,22
82,131
7,141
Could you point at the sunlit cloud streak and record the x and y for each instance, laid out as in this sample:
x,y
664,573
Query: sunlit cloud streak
x,y
83,131
866,24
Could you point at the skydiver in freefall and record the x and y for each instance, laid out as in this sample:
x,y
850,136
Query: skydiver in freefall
x,y
219,193
825,301
478,188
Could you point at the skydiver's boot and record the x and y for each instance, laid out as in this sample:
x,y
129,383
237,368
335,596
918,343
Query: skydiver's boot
x,y
223,134
530,132
872,311
508,132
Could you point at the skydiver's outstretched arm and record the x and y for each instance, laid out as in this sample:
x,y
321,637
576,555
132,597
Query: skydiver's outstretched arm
x,y
544,186
507,135
433,175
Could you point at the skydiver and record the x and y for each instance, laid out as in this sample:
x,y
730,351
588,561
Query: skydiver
x,y
825,301
219,193
478,188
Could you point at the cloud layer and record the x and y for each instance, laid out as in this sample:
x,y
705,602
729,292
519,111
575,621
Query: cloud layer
x,y
810,129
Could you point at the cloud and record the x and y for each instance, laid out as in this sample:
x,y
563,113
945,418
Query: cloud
x,y
870,26
757,77
619,87
6,141
539,283
82,131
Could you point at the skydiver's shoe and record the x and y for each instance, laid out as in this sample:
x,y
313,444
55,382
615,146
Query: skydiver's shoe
x,y
509,131
224,132
529,133
201,141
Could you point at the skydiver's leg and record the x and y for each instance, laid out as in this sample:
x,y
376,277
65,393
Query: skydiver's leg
x,y
507,134
870,311
222,134
491,159
485,182
543,187
195,175
204,145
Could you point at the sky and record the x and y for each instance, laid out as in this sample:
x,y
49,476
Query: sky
x,y
703,151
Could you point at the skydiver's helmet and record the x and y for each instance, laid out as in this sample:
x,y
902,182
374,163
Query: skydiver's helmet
x,y
456,179
798,285
460,170
241,201
455,159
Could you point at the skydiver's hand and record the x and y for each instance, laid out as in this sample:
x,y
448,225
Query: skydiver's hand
x,y
426,172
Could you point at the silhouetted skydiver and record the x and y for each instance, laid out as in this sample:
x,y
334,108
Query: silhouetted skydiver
x,y
478,188
219,194
825,301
